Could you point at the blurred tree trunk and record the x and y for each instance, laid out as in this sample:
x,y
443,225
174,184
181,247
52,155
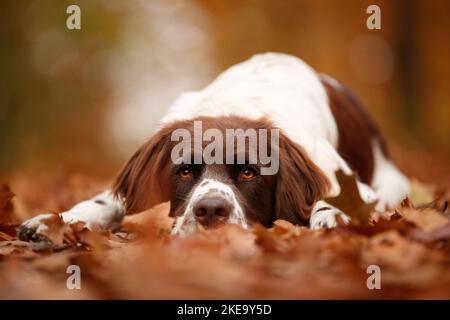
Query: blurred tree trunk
x,y
407,62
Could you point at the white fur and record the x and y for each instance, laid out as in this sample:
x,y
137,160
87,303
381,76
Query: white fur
x,y
36,223
389,183
186,223
325,215
102,211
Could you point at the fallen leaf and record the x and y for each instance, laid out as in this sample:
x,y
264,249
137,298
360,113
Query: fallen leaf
x,y
5,236
268,240
427,219
442,233
349,201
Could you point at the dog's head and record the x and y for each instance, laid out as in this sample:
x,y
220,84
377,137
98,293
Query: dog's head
x,y
212,182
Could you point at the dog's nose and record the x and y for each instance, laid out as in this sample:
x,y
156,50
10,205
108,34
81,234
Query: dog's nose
x,y
209,211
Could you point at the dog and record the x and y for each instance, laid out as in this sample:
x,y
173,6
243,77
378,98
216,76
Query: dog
x,y
317,127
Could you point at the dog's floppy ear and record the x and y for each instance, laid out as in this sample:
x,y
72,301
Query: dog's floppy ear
x,y
144,180
300,183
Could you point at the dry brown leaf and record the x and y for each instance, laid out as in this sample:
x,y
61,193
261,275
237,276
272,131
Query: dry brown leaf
x,y
79,235
8,248
349,201
56,228
442,233
269,241
151,222
390,250
427,219
5,236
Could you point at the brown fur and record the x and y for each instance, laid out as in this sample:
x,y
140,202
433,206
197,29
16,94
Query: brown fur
x,y
357,131
142,181
300,183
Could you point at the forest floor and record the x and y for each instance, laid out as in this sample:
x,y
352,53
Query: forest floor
x,y
402,253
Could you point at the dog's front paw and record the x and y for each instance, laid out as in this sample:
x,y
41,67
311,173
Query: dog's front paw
x,y
35,229
327,217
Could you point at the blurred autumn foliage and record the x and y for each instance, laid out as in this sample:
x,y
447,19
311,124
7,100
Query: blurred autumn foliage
x,y
87,98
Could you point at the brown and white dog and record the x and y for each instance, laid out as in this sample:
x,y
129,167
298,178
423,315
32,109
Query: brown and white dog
x,y
322,129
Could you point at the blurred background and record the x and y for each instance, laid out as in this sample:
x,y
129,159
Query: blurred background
x,y
88,98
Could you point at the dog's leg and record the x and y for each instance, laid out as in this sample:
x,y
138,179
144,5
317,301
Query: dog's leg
x,y
103,211
389,183
324,215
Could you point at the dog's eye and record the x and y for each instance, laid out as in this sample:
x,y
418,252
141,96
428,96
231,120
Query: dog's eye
x,y
185,172
248,173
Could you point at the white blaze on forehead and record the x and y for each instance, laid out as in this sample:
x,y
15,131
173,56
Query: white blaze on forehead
x,y
186,223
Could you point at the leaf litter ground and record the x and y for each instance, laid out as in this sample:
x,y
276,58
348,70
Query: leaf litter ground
x,y
410,244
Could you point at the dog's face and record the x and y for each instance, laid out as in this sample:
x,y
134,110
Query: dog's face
x,y
235,188
215,194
